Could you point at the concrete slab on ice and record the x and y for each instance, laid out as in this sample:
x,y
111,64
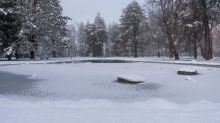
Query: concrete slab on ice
x,y
187,71
130,78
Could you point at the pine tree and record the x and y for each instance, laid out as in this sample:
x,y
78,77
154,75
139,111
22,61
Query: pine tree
x,y
81,39
9,27
90,32
43,26
113,40
101,34
96,35
130,20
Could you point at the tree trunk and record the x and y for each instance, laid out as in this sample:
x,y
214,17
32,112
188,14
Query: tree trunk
x,y
32,55
135,43
207,31
9,57
172,48
33,35
32,52
17,55
158,49
195,46
54,54
195,34
93,49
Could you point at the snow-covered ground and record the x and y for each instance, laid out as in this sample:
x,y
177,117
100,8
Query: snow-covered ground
x,y
89,93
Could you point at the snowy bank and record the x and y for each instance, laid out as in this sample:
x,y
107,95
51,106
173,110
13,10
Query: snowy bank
x,y
102,111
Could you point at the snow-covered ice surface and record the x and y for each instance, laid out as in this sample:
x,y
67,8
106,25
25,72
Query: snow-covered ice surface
x,y
89,92
132,77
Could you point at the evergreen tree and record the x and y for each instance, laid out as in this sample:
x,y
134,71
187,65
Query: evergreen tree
x,y
96,35
90,32
101,34
43,26
130,20
113,40
9,27
81,39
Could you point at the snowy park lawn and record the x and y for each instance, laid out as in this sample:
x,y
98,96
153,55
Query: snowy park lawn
x,y
89,93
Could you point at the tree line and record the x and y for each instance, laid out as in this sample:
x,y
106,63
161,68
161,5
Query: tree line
x,y
159,27
32,28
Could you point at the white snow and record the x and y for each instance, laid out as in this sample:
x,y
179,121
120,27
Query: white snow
x,y
89,92
102,111
188,69
8,50
34,75
189,79
189,25
194,61
132,77
1,10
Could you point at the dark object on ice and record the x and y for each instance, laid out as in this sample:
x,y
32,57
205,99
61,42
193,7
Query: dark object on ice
x,y
127,81
187,71
130,78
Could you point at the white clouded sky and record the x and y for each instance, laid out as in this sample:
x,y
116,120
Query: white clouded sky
x,y
82,10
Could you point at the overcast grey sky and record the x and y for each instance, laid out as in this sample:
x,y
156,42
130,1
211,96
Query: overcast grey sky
x,y
82,10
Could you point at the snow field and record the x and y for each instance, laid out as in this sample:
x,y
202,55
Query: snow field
x,y
102,111
89,92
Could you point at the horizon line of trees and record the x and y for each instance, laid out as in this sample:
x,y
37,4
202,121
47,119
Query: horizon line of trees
x,y
160,27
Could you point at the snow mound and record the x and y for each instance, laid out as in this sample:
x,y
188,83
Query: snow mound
x,y
194,61
103,111
132,77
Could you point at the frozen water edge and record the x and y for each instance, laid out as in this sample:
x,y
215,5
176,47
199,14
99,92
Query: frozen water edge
x,y
97,81
164,97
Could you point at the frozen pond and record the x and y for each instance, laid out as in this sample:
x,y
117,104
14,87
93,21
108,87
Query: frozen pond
x,y
93,61
27,87
70,81
17,85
